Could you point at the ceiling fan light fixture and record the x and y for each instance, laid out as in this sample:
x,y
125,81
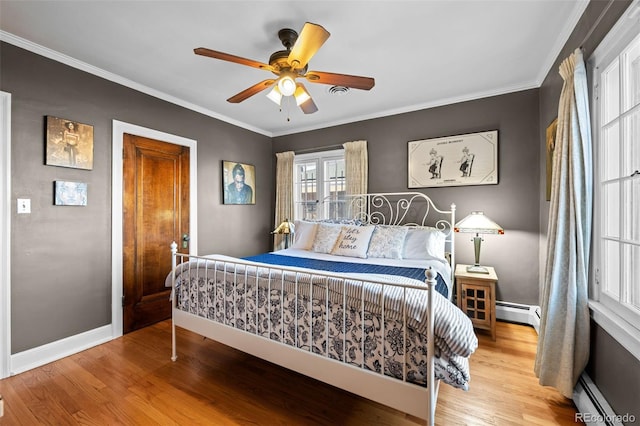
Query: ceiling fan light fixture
x,y
301,94
275,95
287,85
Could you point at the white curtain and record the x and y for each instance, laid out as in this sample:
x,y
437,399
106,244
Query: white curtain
x,y
563,344
284,194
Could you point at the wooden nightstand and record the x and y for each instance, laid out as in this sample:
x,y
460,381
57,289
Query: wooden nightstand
x,y
476,296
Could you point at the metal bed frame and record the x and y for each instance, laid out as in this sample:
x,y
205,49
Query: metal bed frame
x,y
408,209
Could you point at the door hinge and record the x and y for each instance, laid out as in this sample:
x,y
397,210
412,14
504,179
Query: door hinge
x,y
123,301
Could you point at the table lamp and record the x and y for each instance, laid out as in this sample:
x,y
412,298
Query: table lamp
x,y
478,223
285,228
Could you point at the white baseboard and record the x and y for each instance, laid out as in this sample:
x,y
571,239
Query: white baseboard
x,y
36,357
517,312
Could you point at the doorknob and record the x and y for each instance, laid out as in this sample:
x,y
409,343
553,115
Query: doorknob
x,y
185,240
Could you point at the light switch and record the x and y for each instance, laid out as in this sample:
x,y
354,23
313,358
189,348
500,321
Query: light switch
x,y
24,205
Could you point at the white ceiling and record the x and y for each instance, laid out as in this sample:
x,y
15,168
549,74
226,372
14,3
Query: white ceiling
x,y
421,53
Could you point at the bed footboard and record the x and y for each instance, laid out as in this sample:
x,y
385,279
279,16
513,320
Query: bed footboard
x,y
372,338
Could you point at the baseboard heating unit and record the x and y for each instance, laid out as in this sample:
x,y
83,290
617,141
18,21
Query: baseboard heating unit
x,y
517,312
593,408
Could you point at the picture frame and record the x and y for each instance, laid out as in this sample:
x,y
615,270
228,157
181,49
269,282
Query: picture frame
x,y
468,159
238,183
69,143
551,132
70,193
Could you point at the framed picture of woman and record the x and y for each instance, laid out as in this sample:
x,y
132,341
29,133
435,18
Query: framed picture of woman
x,y
69,144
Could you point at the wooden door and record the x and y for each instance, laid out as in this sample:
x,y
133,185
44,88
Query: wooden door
x,y
155,213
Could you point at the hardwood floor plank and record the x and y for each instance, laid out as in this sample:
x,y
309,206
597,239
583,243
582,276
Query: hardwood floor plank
x,y
132,381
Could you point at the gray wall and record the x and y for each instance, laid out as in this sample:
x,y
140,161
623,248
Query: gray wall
x,y
512,203
61,256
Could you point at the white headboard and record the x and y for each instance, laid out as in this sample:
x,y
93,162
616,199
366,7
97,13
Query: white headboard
x,y
399,209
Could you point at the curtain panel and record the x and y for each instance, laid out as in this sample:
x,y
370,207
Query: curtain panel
x,y
563,344
356,164
284,193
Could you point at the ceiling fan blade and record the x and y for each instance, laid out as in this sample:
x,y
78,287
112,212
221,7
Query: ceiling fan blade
x,y
353,81
232,58
311,38
247,93
308,107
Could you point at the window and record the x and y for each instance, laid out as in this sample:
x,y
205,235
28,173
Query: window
x,y
616,114
318,185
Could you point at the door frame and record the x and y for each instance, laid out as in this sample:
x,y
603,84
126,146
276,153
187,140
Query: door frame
x,y
5,235
119,129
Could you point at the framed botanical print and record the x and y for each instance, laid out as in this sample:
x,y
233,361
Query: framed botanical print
x,y
69,144
238,183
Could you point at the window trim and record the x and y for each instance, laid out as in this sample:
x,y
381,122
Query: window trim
x,y
623,326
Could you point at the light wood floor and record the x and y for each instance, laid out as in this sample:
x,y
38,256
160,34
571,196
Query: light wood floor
x,y
131,381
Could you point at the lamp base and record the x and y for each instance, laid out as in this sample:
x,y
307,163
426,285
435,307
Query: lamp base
x,y
477,269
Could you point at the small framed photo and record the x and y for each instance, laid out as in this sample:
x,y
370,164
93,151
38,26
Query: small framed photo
x,y
70,193
238,183
469,159
69,144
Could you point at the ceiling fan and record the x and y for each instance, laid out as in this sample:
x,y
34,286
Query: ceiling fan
x,y
289,65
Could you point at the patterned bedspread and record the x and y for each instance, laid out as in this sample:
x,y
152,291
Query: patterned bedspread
x,y
351,320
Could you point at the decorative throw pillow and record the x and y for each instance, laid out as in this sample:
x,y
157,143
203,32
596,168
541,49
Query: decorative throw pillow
x,y
304,234
353,241
424,243
436,245
326,237
387,242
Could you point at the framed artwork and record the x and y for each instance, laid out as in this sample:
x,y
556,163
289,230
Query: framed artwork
x,y
470,159
551,146
238,183
69,144
70,193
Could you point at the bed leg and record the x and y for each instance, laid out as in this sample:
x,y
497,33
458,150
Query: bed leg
x,y
174,357
432,388
174,250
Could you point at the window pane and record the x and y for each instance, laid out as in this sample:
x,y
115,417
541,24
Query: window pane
x,y
631,210
631,275
610,92
610,152
631,75
631,143
611,269
305,188
334,187
611,209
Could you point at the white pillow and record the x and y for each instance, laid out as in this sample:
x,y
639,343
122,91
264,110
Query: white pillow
x,y
424,243
326,237
353,241
387,242
304,234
